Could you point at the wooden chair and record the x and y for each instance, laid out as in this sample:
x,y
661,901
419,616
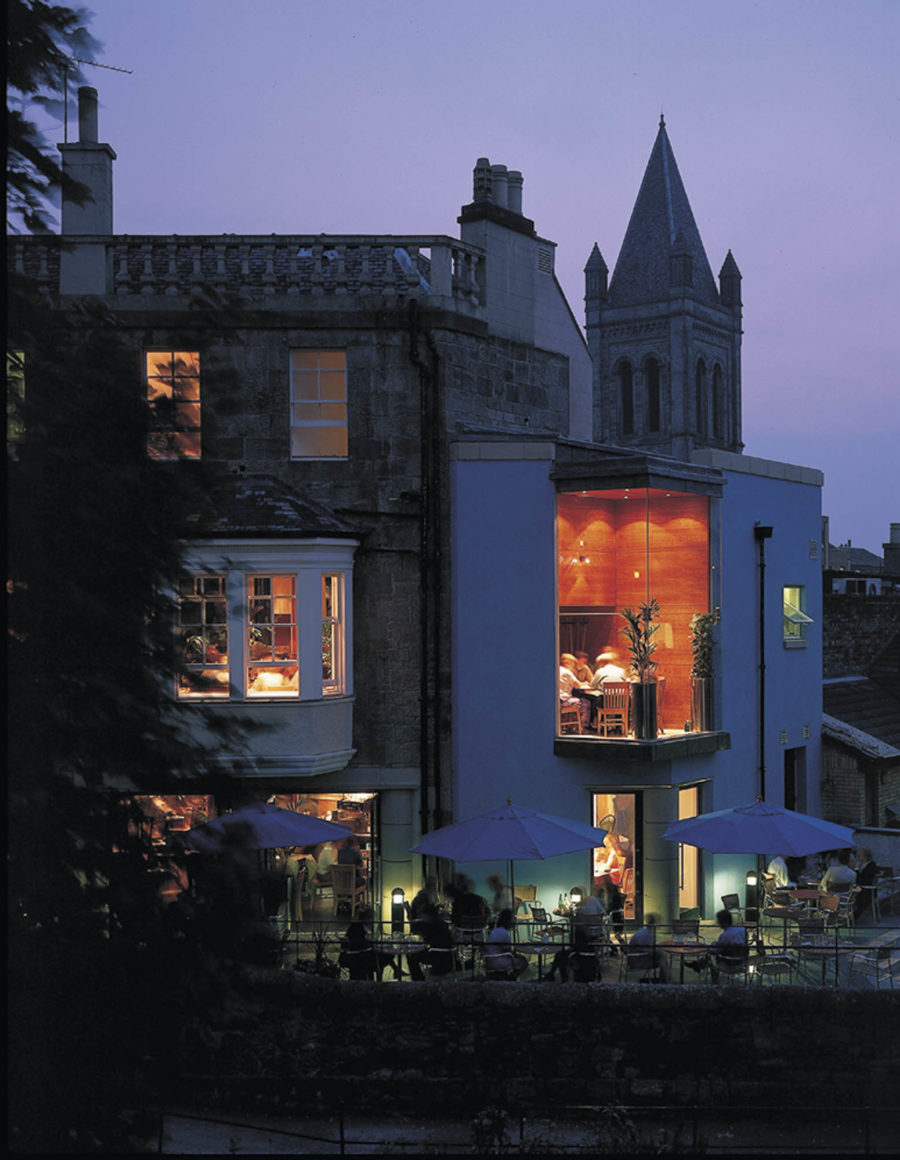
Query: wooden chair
x,y
525,894
346,889
613,711
569,716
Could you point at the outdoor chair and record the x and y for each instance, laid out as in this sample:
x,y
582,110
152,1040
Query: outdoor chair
x,y
542,925
875,964
732,903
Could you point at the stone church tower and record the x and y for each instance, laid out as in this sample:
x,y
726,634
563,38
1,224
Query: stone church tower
x,y
665,341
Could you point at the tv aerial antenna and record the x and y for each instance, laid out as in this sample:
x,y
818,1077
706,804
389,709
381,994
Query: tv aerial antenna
x,y
92,64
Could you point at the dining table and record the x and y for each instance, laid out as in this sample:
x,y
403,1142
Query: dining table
x,y
389,952
683,950
542,952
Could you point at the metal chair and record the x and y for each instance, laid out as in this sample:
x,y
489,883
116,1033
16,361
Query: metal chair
x,y
875,964
732,903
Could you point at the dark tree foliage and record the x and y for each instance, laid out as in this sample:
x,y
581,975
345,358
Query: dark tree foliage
x,y
44,42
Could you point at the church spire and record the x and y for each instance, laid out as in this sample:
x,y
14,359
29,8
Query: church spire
x,y
661,212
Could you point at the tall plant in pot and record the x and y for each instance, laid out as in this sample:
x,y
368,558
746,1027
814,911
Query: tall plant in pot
x,y
641,626
702,626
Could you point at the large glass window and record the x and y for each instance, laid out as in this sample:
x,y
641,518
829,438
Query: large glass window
x,y
332,635
620,548
172,379
318,404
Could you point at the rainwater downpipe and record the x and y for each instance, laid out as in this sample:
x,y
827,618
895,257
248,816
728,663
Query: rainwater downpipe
x,y
762,533
430,577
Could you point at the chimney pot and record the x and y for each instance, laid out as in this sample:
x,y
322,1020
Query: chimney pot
x,y
88,132
515,181
482,180
500,183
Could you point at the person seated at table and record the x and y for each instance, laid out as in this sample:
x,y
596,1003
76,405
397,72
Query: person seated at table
x,y
358,953
839,878
613,901
350,855
608,669
866,876
730,947
642,951
437,946
500,960
427,898
591,914
567,682
324,858
502,895
469,909
778,868
580,959
583,670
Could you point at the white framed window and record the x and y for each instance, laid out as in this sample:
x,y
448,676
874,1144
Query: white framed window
x,y
318,404
172,383
795,619
266,620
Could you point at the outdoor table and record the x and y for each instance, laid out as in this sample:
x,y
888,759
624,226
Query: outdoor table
x,y
825,952
388,950
541,951
682,951
807,897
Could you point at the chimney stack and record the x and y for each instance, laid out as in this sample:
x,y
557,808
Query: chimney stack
x,y
85,267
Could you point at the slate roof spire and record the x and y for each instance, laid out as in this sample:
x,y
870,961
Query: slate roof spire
x,y
660,213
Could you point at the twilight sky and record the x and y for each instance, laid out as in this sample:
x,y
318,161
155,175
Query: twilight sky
x,y
367,116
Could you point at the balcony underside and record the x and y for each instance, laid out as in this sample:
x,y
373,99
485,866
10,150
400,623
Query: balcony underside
x,y
629,749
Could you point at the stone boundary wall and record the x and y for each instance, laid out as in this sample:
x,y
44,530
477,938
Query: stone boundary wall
x,y
308,1045
855,630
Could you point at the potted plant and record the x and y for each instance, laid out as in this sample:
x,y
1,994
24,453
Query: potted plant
x,y
640,628
702,625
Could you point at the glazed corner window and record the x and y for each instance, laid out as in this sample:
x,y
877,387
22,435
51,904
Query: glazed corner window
x,y
273,664
795,618
172,379
318,404
332,635
203,634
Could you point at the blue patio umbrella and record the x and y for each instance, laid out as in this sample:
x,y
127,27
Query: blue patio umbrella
x,y
263,826
760,828
509,833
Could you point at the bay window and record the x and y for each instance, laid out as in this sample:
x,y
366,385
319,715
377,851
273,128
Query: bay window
x,y
266,621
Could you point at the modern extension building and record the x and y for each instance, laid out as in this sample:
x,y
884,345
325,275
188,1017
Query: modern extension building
x,y
430,483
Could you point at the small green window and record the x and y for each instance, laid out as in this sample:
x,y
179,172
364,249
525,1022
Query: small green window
x,y
795,618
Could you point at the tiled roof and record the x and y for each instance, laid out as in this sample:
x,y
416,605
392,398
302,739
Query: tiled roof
x,y
662,210
870,704
256,504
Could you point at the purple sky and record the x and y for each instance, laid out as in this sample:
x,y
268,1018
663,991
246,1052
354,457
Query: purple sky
x,y
367,116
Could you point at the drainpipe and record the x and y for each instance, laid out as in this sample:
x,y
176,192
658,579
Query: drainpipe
x,y
761,534
430,570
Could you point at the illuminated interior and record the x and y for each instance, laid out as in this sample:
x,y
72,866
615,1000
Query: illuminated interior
x,y
318,404
172,379
614,812
272,637
618,548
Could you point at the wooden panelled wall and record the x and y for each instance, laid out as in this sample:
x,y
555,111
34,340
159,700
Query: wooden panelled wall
x,y
614,552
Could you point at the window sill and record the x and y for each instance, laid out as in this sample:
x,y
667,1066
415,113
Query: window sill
x,y
795,643
628,749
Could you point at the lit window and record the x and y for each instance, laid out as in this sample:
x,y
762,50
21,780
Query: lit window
x,y
795,618
332,635
273,665
173,393
318,404
203,632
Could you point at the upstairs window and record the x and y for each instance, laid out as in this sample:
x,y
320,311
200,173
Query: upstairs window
x,y
701,397
318,404
626,399
273,669
795,618
203,630
172,380
654,403
718,403
332,635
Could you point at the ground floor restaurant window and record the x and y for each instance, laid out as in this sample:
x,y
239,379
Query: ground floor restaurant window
x,y
163,821
615,813
616,549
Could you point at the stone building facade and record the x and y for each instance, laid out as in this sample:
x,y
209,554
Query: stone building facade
x,y
425,489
